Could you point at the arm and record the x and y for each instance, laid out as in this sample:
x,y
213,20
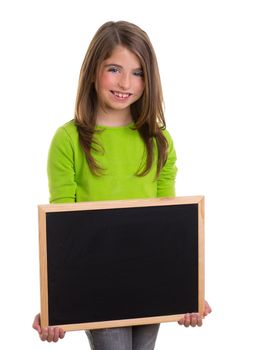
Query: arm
x,y
62,188
166,188
166,180
61,170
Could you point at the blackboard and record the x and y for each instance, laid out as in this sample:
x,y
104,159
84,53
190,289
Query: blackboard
x,y
119,263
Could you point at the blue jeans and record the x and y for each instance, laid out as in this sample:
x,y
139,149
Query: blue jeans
x,y
124,338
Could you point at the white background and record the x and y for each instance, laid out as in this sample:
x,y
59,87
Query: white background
x,y
216,62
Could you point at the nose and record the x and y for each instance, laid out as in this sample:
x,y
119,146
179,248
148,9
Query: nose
x,y
124,81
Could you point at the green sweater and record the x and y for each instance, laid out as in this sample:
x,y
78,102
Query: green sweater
x,y
70,179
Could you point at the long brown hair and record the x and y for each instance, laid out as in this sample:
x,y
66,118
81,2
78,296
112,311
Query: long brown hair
x,y
147,112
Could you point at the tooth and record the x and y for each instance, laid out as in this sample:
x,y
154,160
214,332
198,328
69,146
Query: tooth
x,y
120,95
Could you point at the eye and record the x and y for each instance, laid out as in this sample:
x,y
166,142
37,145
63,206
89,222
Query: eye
x,y
113,69
139,73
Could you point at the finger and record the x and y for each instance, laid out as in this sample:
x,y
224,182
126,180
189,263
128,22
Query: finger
x,y
44,334
186,322
50,334
181,321
196,320
56,334
200,321
193,320
61,333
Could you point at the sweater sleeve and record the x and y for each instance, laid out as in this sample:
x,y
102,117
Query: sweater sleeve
x,y
166,180
61,170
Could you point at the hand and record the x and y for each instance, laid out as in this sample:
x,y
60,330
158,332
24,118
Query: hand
x,y
49,333
195,319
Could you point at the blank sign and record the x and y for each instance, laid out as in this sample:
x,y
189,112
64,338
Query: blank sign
x,y
121,263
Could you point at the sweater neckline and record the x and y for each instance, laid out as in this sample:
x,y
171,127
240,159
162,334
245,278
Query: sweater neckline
x,y
103,127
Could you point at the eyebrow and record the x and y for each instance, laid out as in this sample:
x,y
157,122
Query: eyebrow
x,y
119,66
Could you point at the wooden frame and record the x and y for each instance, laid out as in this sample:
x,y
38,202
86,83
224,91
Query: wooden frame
x,y
88,207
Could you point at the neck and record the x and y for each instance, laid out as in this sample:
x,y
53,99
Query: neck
x,y
113,120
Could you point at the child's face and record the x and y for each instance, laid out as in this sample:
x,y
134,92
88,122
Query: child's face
x,y
119,82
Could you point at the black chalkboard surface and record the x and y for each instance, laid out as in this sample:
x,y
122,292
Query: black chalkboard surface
x,y
119,263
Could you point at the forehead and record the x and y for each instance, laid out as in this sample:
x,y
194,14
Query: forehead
x,y
123,57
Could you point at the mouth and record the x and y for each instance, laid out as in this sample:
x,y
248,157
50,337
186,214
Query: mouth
x,y
121,95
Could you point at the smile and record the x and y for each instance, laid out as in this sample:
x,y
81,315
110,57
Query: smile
x,y
120,94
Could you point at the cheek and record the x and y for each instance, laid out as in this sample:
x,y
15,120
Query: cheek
x,y
140,87
106,81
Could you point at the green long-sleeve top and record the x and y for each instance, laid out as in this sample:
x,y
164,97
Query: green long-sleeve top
x,y
70,179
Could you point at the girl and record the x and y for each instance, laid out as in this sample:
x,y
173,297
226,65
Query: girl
x,y
116,147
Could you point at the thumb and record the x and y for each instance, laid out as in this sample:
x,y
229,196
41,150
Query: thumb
x,y
36,323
